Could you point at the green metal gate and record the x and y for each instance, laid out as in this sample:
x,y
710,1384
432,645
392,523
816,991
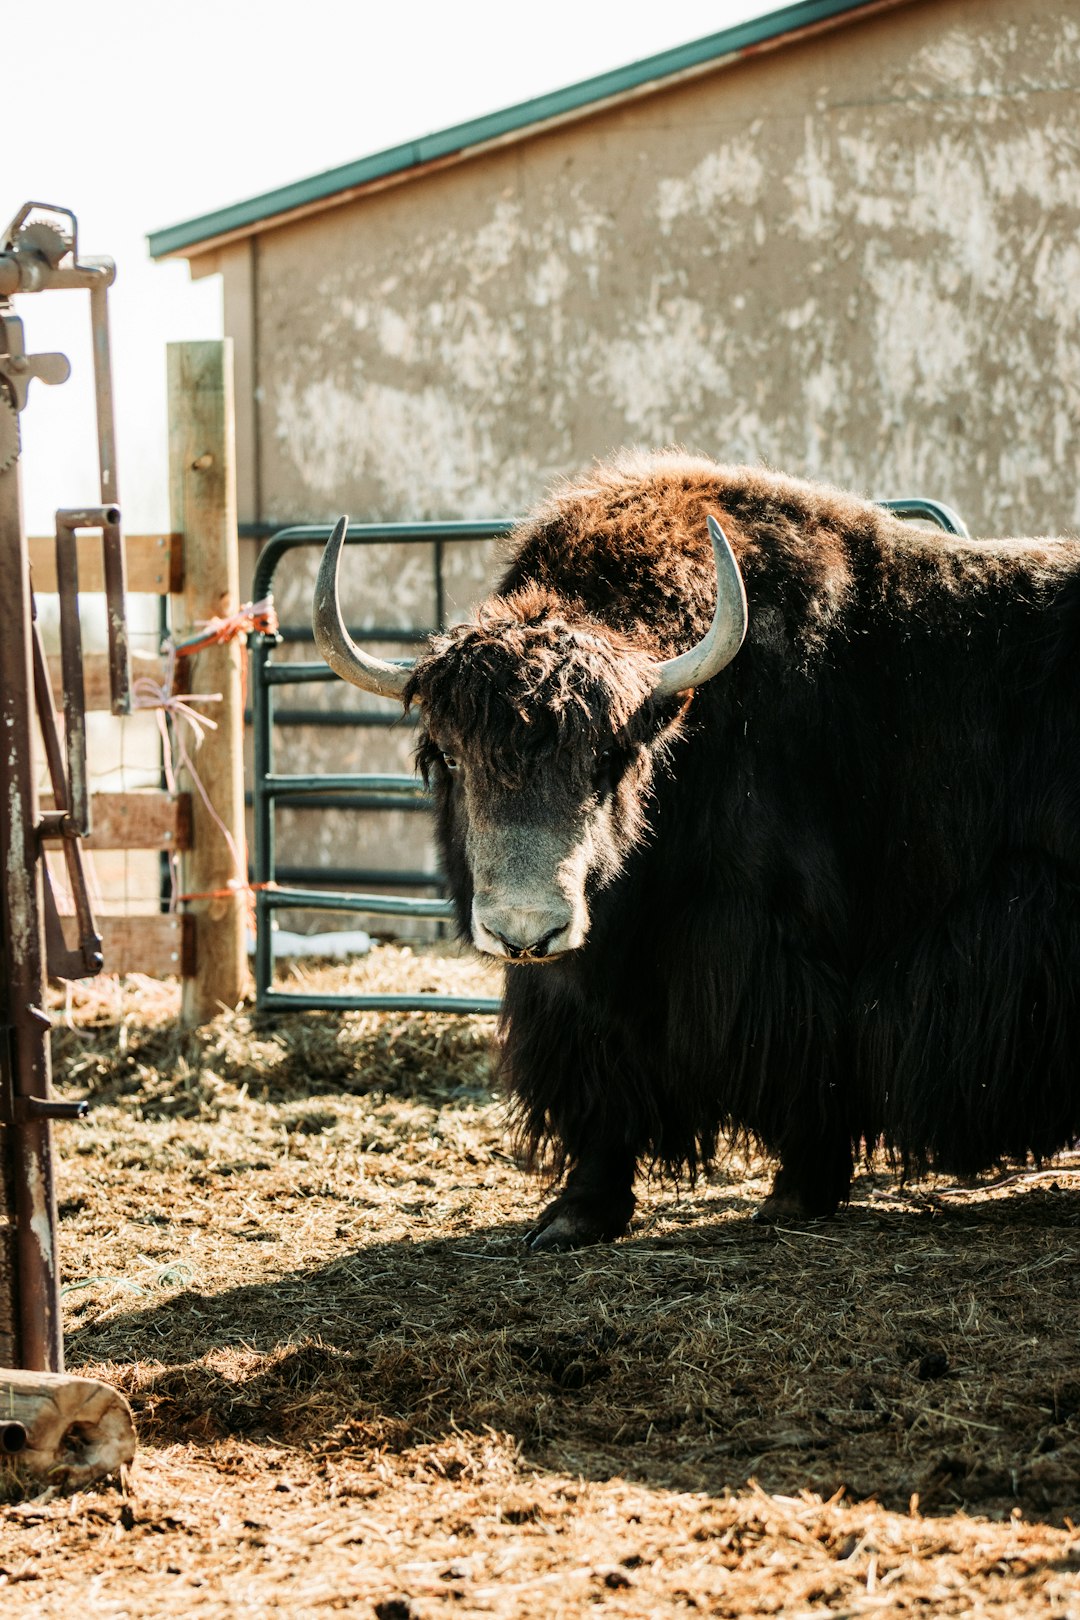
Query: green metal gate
x,y
352,790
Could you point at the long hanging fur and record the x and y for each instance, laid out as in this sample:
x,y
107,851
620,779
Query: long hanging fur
x,y
849,906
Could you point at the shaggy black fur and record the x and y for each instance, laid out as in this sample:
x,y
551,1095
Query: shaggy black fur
x,y
842,899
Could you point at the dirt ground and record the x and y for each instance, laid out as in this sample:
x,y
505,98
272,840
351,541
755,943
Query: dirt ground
x,y
295,1242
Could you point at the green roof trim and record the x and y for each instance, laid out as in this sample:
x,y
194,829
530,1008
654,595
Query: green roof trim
x,y
574,98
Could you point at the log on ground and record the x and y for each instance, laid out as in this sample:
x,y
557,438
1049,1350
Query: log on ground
x,y
68,1431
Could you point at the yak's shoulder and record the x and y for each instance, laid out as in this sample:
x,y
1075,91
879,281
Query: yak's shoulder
x,y
628,541
639,520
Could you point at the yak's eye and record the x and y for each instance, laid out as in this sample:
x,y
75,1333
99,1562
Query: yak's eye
x,y
602,763
451,762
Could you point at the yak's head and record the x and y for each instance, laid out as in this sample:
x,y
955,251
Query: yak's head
x,y
540,732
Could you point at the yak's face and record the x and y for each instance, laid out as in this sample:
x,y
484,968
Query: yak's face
x,y
540,740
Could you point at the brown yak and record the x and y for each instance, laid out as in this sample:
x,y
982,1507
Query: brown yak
x,y
807,874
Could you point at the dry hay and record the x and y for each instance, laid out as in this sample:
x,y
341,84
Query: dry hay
x,y
295,1242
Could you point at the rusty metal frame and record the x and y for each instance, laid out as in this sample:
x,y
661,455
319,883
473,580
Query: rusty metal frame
x,y
38,255
85,959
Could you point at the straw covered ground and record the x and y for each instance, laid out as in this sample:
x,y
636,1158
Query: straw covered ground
x,y
295,1242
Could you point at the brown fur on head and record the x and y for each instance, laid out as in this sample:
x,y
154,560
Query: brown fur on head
x,y
536,678
629,540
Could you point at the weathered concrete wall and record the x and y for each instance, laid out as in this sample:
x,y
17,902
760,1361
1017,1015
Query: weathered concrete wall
x,y
856,258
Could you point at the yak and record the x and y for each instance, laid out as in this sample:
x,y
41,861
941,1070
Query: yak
x,y
770,804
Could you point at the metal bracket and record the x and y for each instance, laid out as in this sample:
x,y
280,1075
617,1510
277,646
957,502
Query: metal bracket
x,y
65,824
18,369
107,520
64,962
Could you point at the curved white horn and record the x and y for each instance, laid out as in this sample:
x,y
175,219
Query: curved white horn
x,y
724,636
334,641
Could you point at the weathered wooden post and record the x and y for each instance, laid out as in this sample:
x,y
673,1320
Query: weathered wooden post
x,y
202,493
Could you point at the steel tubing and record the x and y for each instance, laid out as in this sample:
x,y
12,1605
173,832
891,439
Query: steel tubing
x,y
431,1002
389,905
22,272
40,1345
112,542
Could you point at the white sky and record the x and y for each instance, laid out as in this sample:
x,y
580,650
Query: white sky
x,y
139,114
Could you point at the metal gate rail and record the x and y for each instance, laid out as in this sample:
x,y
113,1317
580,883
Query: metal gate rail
x,y
360,791
933,511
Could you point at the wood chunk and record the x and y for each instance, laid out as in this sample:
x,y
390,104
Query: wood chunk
x,y
69,1430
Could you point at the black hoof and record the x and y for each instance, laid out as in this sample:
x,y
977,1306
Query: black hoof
x,y
574,1223
568,1229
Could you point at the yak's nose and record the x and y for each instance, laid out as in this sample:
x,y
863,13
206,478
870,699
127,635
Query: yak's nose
x,y
521,931
538,947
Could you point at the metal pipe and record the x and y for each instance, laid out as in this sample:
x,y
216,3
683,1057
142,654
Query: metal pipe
x,y
262,708
363,719
86,517
54,758
302,674
61,823
344,801
106,518
935,511
23,977
376,904
408,786
13,1437
103,392
410,637
437,559
71,663
115,566
54,1108
22,272
359,876
285,1001
367,534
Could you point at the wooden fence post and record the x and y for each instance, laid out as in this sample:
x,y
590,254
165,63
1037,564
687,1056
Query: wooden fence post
x,y
202,495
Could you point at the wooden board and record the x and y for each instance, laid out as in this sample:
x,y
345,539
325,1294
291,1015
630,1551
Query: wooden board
x,y
96,677
148,819
154,563
159,946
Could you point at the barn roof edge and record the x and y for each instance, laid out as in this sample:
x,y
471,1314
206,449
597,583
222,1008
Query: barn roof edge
x,y
195,236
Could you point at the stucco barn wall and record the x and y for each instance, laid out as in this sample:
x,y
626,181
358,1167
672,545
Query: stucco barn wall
x,y
856,257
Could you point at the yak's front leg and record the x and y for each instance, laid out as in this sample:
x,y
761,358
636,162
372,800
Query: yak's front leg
x,y
814,1176
594,1206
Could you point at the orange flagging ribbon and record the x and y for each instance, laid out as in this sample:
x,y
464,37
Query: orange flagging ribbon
x,y
165,698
